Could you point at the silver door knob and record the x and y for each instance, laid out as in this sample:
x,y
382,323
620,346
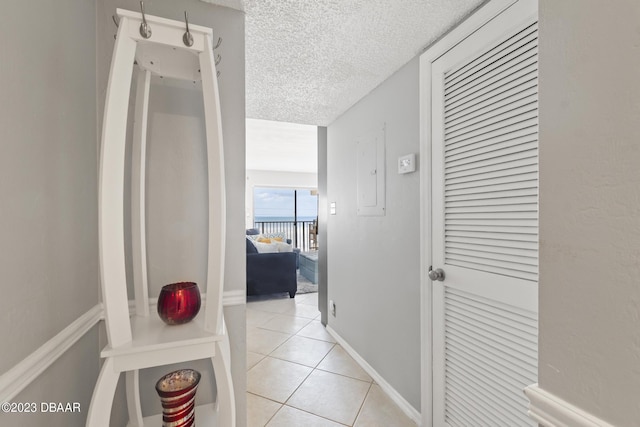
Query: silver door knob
x,y
437,274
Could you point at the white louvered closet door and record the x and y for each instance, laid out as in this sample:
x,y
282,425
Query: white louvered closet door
x,y
485,223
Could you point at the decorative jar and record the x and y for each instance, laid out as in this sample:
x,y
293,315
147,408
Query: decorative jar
x,y
179,302
177,391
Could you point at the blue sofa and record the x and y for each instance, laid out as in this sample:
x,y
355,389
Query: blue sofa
x,y
271,273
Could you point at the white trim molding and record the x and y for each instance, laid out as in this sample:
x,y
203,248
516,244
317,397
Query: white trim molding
x,y
21,375
550,410
393,394
238,297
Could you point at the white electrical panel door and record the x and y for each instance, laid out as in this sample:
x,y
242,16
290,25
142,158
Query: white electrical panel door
x,y
371,173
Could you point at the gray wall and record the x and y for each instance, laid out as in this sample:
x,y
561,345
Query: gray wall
x,y
590,206
48,196
177,189
373,262
323,213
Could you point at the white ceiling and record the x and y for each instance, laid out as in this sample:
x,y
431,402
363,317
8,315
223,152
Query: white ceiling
x,y
308,61
279,146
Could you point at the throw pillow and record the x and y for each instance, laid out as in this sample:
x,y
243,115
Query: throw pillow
x,y
277,235
283,247
266,248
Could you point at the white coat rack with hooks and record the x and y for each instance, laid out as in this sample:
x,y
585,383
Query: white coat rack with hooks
x,y
157,46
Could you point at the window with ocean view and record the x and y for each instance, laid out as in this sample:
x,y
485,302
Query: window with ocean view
x,y
288,210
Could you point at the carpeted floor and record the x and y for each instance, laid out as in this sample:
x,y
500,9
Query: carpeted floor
x,y
305,286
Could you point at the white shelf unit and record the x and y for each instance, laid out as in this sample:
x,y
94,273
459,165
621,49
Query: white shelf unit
x,y
143,340
205,416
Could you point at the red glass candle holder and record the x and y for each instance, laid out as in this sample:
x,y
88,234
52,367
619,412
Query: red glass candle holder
x,y
177,391
179,302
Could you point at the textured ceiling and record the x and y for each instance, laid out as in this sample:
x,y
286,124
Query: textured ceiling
x,y
308,61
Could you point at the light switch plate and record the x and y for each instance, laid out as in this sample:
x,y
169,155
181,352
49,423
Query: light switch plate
x,y
407,164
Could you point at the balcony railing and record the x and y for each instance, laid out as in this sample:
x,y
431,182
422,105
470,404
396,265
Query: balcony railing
x,y
298,232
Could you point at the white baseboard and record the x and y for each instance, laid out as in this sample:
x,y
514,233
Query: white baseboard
x,y
393,394
551,411
21,375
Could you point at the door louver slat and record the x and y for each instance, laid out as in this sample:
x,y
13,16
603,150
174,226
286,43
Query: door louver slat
x,y
518,79
491,192
520,123
489,403
508,368
486,249
496,244
495,111
502,162
479,182
490,356
494,173
476,144
517,320
462,415
519,66
494,100
490,236
518,274
491,399
502,91
494,257
527,202
495,397
505,212
522,38
493,142
501,334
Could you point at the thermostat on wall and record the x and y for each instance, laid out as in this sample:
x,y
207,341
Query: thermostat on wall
x,y
407,163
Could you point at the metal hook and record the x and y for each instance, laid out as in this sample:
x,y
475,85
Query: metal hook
x,y
145,30
219,43
117,22
218,59
187,38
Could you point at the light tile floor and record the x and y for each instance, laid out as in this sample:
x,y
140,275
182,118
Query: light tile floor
x,y
299,377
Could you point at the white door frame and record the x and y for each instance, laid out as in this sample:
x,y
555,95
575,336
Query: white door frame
x,y
461,32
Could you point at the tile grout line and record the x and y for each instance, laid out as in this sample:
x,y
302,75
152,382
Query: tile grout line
x,y
300,385
315,415
362,404
344,375
303,381
313,369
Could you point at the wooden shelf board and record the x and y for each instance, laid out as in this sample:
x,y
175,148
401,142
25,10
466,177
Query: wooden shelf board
x,y
205,416
152,334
